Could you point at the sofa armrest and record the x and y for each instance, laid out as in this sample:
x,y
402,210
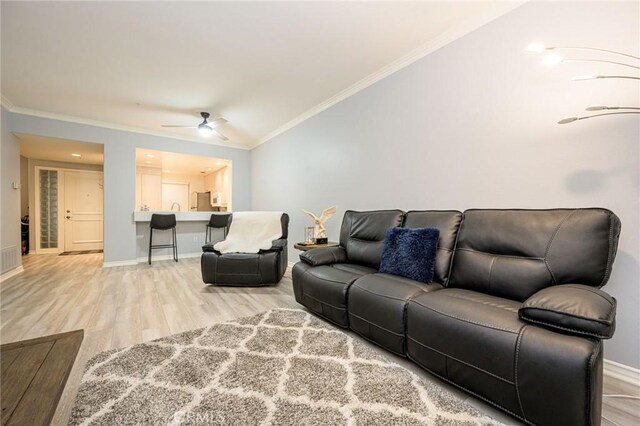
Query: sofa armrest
x,y
572,308
208,248
324,256
276,245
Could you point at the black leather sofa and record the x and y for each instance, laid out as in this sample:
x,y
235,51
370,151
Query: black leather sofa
x,y
514,315
246,269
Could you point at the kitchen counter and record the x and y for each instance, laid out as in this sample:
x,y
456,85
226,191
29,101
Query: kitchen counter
x,y
142,216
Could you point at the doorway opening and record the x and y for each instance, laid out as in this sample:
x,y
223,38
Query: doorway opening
x,y
62,198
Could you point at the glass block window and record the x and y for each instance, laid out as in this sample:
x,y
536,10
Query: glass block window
x,y
48,209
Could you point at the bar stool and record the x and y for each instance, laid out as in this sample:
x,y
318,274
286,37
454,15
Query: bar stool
x,y
217,221
163,222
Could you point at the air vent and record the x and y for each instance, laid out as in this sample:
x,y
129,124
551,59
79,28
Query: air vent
x,y
9,258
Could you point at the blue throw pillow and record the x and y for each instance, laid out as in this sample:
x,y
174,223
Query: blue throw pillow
x,y
410,253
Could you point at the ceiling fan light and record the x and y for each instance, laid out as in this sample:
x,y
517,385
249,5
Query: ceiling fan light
x,y
205,130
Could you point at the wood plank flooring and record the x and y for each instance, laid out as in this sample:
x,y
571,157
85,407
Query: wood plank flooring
x,y
33,376
122,306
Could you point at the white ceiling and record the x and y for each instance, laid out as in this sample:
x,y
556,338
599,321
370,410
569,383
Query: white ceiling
x,y
52,149
261,65
172,162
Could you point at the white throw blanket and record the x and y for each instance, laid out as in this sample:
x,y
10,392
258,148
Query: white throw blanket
x,y
251,232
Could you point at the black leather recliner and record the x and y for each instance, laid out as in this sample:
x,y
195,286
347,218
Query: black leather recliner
x,y
246,269
514,315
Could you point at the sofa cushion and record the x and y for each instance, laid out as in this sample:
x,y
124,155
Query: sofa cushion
x,y
353,268
515,253
410,253
448,222
323,289
573,309
467,337
377,308
362,234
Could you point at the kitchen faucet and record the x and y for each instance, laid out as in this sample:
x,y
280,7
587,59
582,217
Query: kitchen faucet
x,y
174,203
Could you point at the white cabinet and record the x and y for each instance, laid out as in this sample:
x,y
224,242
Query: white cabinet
x,y
149,190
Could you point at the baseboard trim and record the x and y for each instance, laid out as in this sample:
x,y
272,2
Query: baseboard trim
x,y
11,273
119,263
168,257
622,372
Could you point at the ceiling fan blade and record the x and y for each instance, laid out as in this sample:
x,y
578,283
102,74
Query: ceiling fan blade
x,y
220,135
219,120
184,127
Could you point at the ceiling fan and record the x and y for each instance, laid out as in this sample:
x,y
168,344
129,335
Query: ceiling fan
x,y
206,128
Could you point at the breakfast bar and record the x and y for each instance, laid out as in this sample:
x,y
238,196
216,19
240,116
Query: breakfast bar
x,y
190,230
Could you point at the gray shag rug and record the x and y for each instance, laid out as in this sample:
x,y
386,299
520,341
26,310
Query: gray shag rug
x,y
281,367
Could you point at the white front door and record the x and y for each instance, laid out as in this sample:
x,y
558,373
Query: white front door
x,y
83,204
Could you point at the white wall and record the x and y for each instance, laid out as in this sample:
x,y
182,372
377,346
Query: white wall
x,y
195,182
24,189
219,181
473,125
119,171
10,245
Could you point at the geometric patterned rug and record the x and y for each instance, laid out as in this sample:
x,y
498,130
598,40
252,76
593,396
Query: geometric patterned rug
x,y
281,367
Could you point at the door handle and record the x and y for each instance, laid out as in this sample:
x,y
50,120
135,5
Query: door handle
x,y
68,211
68,217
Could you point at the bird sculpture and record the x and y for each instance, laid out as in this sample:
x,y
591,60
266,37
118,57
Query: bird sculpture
x,y
320,231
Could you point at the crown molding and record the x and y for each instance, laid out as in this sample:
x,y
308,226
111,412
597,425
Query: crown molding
x,y
5,102
10,106
419,53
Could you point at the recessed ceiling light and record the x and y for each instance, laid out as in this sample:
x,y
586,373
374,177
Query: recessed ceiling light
x,y
149,155
76,155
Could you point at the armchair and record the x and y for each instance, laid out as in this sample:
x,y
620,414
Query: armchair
x,y
246,269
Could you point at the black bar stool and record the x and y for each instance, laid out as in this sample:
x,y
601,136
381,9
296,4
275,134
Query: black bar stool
x,y
217,221
163,222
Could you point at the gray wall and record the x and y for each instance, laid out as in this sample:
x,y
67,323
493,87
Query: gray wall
x,y
474,125
119,170
10,246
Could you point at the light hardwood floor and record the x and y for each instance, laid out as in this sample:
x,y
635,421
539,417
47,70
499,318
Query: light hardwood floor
x,y
123,306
